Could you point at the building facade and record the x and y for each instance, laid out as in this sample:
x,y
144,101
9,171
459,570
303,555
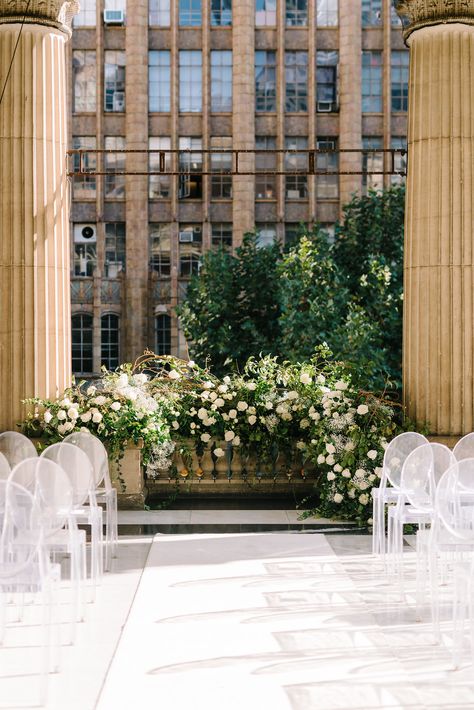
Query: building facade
x,y
195,75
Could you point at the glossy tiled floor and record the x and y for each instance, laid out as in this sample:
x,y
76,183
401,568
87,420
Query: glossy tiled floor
x,y
284,621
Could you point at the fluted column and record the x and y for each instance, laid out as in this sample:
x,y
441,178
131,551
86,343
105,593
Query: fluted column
x,y
438,345
35,341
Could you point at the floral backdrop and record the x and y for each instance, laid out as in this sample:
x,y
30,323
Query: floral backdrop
x,y
275,412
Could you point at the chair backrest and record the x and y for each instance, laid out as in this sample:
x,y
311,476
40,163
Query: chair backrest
x,y
5,469
24,474
396,453
464,449
54,495
455,500
422,471
16,447
96,452
78,468
21,515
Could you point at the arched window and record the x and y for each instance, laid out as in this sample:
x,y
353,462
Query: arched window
x,y
82,343
109,333
163,334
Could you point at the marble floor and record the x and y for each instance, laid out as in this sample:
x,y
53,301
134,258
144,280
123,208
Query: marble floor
x,y
277,620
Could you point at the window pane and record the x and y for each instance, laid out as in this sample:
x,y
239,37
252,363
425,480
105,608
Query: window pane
x,y
114,81
221,81
221,236
371,13
159,80
400,161
221,13
327,185
86,17
296,12
109,347
84,186
190,81
84,80
296,81
265,184
159,13
399,79
190,13
296,186
159,185
266,234
265,13
115,184
160,249
327,13
85,249
371,82
372,162
163,334
190,249
114,248
81,331
190,162
326,80
265,81
221,185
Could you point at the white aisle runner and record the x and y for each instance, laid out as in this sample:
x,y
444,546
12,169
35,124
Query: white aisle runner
x,y
271,622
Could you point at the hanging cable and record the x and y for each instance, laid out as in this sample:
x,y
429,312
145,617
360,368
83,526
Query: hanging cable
x,y
14,51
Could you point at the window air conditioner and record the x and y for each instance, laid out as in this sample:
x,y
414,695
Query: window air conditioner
x,y
85,234
186,236
325,106
119,101
114,17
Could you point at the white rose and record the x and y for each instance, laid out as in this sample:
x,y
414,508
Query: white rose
x,y
226,379
360,473
330,448
350,446
321,379
338,498
174,375
86,417
362,409
141,378
61,415
352,493
338,468
212,396
330,460
72,413
222,388
191,363
363,486
68,426
242,406
65,402
219,402
47,416
236,441
331,476
97,417
346,473
192,425
225,417
229,435
252,410
90,391
202,413
378,471
363,499
305,378
372,477
115,406
304,423
218,452
208,385
321,458
175,425
372,454
292,395
205,438
61,429
251,386
252,419
121,382
100,400
205,395
340,385
233,413
300,445
208,422
268,405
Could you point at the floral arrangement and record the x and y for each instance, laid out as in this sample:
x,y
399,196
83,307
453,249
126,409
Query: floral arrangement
x,y
276,412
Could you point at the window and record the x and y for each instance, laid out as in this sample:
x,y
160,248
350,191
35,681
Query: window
x,y
115,5
265,185
159,80
159,185
371,13
399,71
86,17
114,248
292,233
159,13
114,184
221,236
190,249
330,229
114,81
394,17
326,80
162,334
296,186
371,82
190,185
221,13
221,185
296,81
296,12
84,80
372,161
190,13
221,80
400,161
160,249
109,341
327,186
81,327
327,13
266,234
265,81
190,81
265,13
85,249
84,186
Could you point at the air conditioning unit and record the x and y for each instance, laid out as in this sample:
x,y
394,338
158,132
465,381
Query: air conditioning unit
x,y
85,234
325,106
186,236
114,17
118,102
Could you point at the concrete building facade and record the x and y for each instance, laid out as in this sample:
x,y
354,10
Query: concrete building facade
x,y
207,74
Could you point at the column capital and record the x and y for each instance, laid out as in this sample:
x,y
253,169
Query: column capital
x,y
52,13
422,13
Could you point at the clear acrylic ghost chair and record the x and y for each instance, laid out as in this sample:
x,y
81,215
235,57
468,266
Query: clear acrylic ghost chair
x,y
16,447
421,473
26,568
464,448
80,472
104,491
455,510
5,471
395,454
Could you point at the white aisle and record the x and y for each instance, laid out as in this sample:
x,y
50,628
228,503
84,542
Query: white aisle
x,y
274,621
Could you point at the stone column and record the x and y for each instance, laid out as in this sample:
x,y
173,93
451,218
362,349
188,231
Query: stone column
x,y
439,297
243,116
35,320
